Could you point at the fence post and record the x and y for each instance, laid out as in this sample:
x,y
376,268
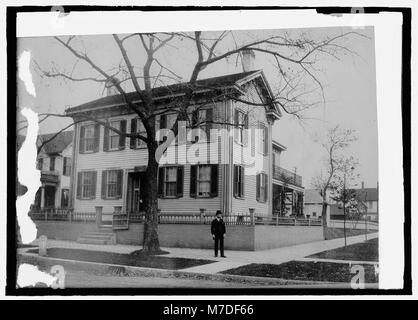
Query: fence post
x,y
309,221
46,214
159,214
99,210
295,221
252,219
202,214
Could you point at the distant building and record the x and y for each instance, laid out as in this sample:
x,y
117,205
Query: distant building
x,y
312,207
55,163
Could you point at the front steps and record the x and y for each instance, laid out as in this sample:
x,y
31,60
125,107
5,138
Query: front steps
x,y
103,236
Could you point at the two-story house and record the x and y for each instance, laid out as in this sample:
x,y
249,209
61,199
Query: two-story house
x,y
109,168
55,162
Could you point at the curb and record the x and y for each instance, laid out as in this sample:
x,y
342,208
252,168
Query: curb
x,y
122,270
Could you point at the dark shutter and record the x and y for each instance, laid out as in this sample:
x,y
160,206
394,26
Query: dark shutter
x,y
209,119
160,182
163,125
193,181
122,137
235,180
214,180
64,165
93,187
242,177
119,184
133,130
79,177
258,177
81,146
106,138
195,119
96,137
104,183
180,181
266,188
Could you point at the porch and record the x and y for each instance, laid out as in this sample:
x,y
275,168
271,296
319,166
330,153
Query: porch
x,y
288,193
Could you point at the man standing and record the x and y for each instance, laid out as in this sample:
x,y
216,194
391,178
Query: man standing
x,y
218,231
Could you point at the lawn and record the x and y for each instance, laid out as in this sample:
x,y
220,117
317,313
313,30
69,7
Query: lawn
x,y
135,260
364,251
305,271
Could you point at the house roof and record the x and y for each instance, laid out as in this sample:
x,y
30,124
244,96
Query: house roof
x,y
214,83
367,194
57,144
312,196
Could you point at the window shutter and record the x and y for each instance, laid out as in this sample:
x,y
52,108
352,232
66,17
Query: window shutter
x,y
214,180
79,177
242,193
96,137
64,164
106,138
119,184
266,187
193,180
235,180
160,182
209,119
163,124
122,137
132,144
104,182
258,177
180,181
93,188
81,146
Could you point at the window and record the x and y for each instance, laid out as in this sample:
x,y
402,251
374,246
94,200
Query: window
x,y
166,122
111,184
113,136
170,182
238,181
66,170
138,128
204,180
40,163
87,141
51,163
241,126
263,139
261,187
65,197
203,123
86,185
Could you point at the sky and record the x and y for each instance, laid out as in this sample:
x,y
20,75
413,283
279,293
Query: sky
x,y
349,88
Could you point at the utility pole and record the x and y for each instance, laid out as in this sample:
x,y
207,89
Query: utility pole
x,y
343,197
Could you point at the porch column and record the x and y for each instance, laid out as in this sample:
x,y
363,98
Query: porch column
x,y
270,168
42,196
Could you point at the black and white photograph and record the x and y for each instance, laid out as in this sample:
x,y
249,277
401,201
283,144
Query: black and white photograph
x,y
203,158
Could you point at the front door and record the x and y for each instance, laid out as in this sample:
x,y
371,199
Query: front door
x,y
135,192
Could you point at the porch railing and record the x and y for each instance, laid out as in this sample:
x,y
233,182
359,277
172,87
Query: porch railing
x,y
287,176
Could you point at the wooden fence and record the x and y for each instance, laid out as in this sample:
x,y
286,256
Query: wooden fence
x,y
119,221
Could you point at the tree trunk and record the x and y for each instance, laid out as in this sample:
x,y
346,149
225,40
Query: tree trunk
x,y
324,213
150,241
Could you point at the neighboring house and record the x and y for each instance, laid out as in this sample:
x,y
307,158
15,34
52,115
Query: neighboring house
x,y
55,162
313,204
367,201
109,169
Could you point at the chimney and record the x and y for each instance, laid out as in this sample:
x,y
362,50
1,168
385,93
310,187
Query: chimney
x,y
248,57
110,88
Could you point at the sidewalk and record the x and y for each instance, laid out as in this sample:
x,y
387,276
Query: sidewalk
x,y
234,258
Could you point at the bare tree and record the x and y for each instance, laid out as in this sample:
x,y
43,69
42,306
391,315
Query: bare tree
x,y
294,58
336,141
